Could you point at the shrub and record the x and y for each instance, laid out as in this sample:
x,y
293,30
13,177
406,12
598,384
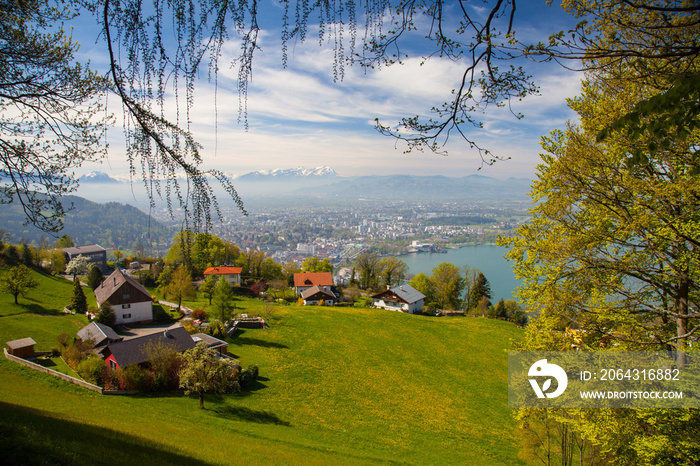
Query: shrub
x,y
106,315
199,314
135,377
217,329
363,301
92,370
248,376
64,340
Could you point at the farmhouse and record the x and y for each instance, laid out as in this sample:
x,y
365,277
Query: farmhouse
x,y
99,334
136,351
230,274
95,254
23,348
402,298
316,294
304,281
130,301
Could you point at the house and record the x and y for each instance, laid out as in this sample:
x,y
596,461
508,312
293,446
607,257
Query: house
x,y
304,281
23,348
99,334
316,294
231,274
211,342
130,301
95,254
125,353
402,298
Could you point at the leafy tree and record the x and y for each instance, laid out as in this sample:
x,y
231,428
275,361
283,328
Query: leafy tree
x,y
180,286
105,315
314,264
223,300
446,284
204,372
422,284
78,302
95,277
18,280
471,275
393,270
208,287
27,255
118,255
251,261
77,266
368,267
288,270
352,293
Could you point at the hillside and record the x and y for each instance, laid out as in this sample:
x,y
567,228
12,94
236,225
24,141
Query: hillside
x,y
89,223
338,385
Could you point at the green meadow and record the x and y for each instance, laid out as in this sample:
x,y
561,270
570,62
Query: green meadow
x,y
336,386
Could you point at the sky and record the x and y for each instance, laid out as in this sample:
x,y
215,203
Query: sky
x,y
299,117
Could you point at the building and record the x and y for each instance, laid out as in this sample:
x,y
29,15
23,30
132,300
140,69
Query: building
x,y
95,254
316,295
99,334
306,280
230,274
213,343
402,298
23,348
130,301
136,350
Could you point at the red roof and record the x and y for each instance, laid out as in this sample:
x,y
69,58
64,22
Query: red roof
x,y
223,270
313,278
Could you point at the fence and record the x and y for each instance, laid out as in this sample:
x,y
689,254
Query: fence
x,y
41,368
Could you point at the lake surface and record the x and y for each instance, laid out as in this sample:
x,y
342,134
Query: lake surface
x,y
487,258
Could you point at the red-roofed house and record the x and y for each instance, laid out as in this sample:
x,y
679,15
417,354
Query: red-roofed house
x,y
231,274
304,281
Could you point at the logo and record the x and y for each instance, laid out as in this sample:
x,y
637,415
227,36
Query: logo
x,y
542,369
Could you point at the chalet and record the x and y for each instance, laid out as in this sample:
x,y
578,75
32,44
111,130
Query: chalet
x,y
23,348
230,274
136,350
99,334
213,343
130,301
95,254
316,294
304,281
402,298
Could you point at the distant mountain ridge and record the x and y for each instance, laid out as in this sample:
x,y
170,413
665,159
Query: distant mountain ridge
x,y
290,173
98,177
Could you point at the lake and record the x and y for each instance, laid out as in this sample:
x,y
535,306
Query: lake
x,y
487,258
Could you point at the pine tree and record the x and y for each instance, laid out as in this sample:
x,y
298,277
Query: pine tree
x,y
78,302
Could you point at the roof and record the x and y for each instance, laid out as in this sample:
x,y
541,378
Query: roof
x,y
22,343
99,333
315,290
89,249
313,278
129,352
405,293
114,282
211,341
223,270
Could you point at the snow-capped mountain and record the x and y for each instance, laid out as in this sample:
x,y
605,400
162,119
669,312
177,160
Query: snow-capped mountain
x,y
98,177
290,173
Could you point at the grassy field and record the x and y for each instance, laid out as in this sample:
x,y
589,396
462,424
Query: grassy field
x,y
337,386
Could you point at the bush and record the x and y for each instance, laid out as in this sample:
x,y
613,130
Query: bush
x,y
199,314
248,376
363,301
217,329
135,377
92,370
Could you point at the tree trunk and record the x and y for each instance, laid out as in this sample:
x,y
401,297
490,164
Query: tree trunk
x,y
201,400
16,295
682,321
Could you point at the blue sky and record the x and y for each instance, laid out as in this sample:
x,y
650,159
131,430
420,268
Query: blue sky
x,y
299,117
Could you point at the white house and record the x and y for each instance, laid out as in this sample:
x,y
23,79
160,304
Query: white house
x,y
402,298
130,301
230,274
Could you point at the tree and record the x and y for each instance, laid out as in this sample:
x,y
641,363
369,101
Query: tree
x,y
77,266
422,284
471,276
393,270
204,372
368,267
65,241
18,280
117,255
57,261
78,302
208,287
105,315
223,300
314,264
180,285
94,277
446,284
50,110
481,290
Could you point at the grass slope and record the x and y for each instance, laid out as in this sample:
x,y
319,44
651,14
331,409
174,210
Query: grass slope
x,y
341,386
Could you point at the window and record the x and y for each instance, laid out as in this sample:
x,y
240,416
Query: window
x,y
126,316
126,296
126,306
112,365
